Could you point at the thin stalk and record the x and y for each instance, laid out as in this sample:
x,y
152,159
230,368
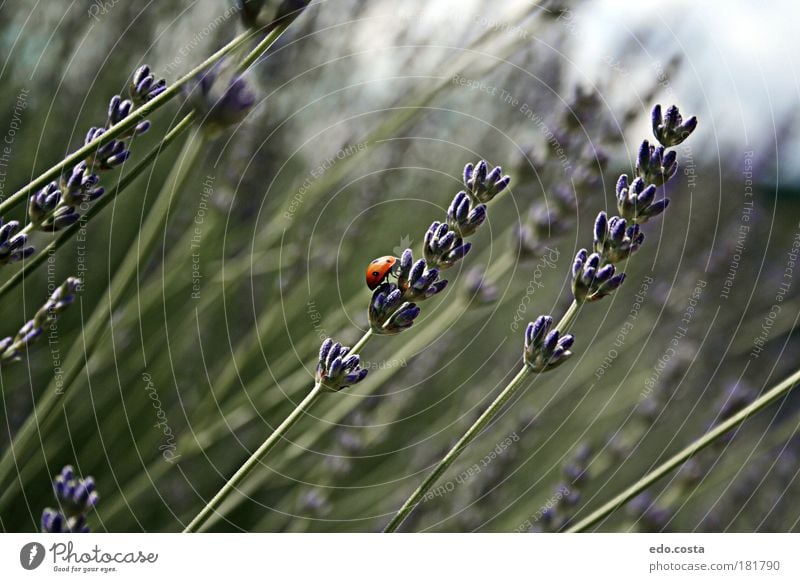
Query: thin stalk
x,y
130,266
357,348
77,359
261,48
472,433
254,460
679,459
265,448
570,315
362,342
128,123
66,234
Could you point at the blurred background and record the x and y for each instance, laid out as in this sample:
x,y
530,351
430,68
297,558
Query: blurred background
x,y
366,115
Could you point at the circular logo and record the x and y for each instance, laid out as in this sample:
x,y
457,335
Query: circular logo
x,y
31,555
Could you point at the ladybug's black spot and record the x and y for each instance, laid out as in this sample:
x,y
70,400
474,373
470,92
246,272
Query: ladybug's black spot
x,y
375,273
375,261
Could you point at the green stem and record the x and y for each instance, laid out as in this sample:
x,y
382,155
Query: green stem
x,y
676,461
359,345
254,460
72,230
266,447
148,236
125,125
570,315
475,430
472,433
261,48
93,332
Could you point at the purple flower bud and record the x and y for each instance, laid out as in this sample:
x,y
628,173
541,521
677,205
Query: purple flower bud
x,y
670,129
600,227
337,368
545,349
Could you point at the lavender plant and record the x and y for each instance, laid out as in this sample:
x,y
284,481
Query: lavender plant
x,y
124,125
337,368
220,97
359,442
12,348
76,497
393,307
56,205
594,276
714,435
247,348
104,148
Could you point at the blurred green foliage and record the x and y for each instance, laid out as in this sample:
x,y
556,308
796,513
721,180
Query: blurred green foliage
x,y
356,147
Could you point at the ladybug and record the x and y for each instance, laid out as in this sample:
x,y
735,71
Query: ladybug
x,y
379,269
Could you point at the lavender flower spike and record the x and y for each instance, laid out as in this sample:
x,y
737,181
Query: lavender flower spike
x,y
11,348
636,201
545,349
591,280
76,498
337,367
655,165
12,245
416,281
614,240
443,248
219,102
144,86
670,129
483,185
463,217
74,495
81,186
388,312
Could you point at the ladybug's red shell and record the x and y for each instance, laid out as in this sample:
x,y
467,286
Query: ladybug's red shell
x,y
379,269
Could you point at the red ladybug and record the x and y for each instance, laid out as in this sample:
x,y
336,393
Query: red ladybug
x,y
379,269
